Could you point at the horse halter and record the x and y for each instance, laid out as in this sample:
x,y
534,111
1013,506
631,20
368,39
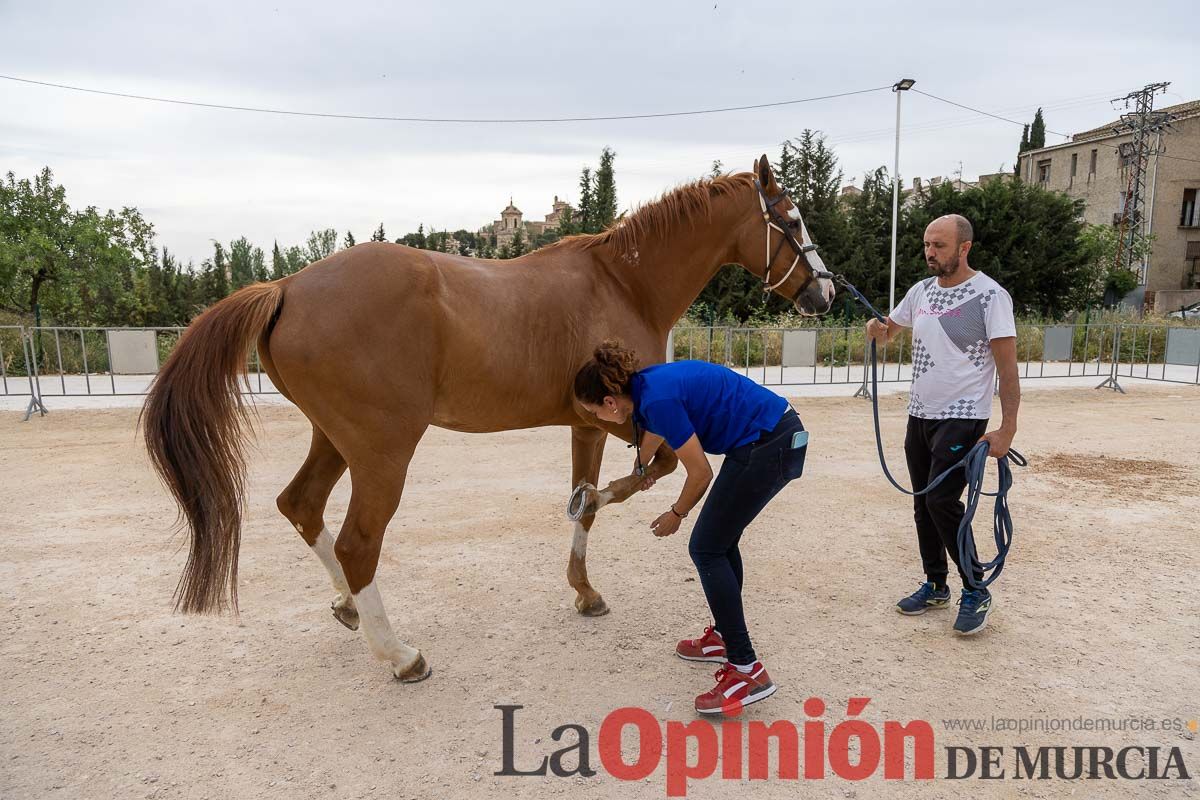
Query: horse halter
x,y
774,220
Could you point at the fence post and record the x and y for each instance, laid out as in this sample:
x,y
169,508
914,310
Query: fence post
x,y
35,384
863,390
1111,381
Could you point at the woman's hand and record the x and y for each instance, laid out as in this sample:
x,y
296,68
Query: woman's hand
x,y
666,524
646,483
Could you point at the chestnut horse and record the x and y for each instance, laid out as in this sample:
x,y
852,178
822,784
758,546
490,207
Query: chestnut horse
x,y
378,342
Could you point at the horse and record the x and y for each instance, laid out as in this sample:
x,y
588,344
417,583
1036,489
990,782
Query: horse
x,y
379,341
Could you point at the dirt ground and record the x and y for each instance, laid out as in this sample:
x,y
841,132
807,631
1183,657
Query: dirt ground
x,y
105,693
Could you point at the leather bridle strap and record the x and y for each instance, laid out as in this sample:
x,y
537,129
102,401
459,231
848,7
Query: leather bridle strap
x,y
774,220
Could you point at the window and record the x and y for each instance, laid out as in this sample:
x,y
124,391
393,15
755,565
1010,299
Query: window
x,y
1074,168
1189,215
1092,166
1043,172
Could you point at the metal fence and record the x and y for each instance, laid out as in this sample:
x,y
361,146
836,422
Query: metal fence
x,y
47,362
812,356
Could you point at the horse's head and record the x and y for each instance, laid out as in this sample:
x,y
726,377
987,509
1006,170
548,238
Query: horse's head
x,y
774,244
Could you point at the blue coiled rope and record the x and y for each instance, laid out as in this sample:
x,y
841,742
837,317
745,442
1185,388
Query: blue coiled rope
x,y
974,465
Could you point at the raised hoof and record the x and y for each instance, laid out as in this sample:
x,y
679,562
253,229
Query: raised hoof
x,y
415,673
596,608
347,615
585,501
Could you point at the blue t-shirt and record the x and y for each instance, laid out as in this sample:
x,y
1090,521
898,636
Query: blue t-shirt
x,y
724,409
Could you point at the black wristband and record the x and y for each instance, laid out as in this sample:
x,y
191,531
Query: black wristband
x,y
676,513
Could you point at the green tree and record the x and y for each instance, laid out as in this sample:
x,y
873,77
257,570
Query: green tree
x,y
296,258
1037,131
516,247
605,191
813,180
349,242
867,254
1110,280
214,277
1029,239
242,263
587,202
258,264
1021,149
567,224
416,240
279,265
379,235
321,244
83,267
468,242
37,248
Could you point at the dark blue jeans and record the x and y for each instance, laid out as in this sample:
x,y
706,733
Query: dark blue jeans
x,y
750,476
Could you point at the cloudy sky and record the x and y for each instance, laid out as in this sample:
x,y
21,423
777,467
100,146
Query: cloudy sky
x,y
201,174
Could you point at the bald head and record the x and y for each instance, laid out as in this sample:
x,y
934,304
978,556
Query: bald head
x,y
955,224
947,241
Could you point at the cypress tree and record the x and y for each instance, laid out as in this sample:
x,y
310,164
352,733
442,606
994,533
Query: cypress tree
x,y
1037,131
587,204
606,190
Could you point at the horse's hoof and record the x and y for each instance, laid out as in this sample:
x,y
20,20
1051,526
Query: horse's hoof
x,y
415,672
585,501
596,608
347,615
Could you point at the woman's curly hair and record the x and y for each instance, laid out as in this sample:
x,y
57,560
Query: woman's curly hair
x,y
608,374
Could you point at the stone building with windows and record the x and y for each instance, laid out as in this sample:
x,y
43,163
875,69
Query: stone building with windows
x,y
1090,167
511,220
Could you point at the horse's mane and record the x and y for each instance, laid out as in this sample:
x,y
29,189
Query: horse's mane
x,y
654,219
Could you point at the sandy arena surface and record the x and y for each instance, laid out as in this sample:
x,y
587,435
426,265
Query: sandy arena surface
x,y
106,694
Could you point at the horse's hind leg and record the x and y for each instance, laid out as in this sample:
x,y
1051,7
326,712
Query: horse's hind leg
x,y
378,482
303,503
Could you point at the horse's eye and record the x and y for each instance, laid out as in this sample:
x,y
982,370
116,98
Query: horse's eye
x,y
794,224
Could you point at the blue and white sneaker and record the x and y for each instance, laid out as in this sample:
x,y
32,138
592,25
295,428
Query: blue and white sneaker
x,y
973,609
923,599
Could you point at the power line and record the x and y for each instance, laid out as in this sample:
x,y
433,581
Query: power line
x,y
380,118
1177,158
985,113
1056,133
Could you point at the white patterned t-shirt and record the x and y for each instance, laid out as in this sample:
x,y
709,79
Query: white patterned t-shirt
x,y
953,328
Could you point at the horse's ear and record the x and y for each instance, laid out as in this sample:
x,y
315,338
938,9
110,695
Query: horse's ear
x,y
762,168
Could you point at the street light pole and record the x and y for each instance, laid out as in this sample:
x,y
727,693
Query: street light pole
x,y
901,86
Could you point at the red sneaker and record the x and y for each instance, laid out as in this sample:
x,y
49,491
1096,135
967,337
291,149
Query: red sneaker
x,y
709,647
735,690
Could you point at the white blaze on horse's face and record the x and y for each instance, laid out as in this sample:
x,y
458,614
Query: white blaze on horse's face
x,y
821,292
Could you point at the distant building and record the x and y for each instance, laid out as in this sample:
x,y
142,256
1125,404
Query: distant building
x,y
910,196
512,220
1091,168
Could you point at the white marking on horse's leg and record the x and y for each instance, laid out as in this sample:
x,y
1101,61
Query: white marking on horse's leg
x,y
323,547
603,498
378,630
579,541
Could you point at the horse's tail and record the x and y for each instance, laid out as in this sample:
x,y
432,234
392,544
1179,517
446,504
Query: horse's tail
x,y
193,426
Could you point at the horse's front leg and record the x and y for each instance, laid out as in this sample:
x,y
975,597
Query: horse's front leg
x,y
587,499
587,451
